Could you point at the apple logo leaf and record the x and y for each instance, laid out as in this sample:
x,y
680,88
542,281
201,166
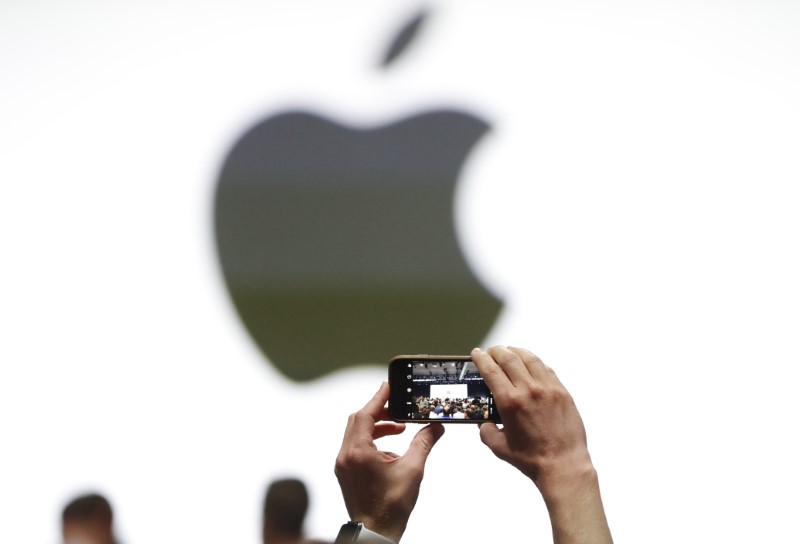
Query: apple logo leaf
x,y
403,38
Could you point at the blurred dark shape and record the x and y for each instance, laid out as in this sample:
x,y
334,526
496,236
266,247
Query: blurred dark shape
x,y
88,519
404,38
338,243
285,507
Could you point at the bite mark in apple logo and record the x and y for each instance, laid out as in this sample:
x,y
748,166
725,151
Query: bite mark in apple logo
x,y
338,244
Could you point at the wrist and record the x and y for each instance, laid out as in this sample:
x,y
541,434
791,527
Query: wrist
x,y
354,532
385,529
574,505
566,485
556,477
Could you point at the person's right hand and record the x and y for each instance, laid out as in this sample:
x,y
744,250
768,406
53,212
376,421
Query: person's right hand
x,y
543,436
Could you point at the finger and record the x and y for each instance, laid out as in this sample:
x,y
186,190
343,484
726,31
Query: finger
x,y
535,366
376,404
423,443
490,371
361,425
384,414
387,429
547,371
494,438
375,409
511,363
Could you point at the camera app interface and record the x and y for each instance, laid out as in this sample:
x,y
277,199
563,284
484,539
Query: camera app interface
x,y
447,390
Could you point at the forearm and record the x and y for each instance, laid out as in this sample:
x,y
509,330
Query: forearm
x,y
576,510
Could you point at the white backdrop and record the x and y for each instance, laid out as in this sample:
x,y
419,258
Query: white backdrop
x,y
455,390
635,205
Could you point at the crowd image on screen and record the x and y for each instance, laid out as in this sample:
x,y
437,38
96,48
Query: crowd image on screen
x,y
447,408
474,405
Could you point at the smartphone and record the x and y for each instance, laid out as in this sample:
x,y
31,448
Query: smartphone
x,y
443,388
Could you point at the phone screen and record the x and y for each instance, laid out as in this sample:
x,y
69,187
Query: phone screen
x,y
444,388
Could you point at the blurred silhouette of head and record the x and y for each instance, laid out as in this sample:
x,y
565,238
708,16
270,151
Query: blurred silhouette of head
x,y
88,519
285,507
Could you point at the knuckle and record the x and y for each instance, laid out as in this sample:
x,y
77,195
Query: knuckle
x,y
338,465
349,458
359,418
522,395
517,398
533,390
535,357
504,358
491,371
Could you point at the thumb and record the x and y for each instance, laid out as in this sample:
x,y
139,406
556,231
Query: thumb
x,y
495,439
423,443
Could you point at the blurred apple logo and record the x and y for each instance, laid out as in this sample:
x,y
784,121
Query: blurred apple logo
x,y
338,244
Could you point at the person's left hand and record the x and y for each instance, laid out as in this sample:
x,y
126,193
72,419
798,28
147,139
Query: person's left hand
x,y
380,488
